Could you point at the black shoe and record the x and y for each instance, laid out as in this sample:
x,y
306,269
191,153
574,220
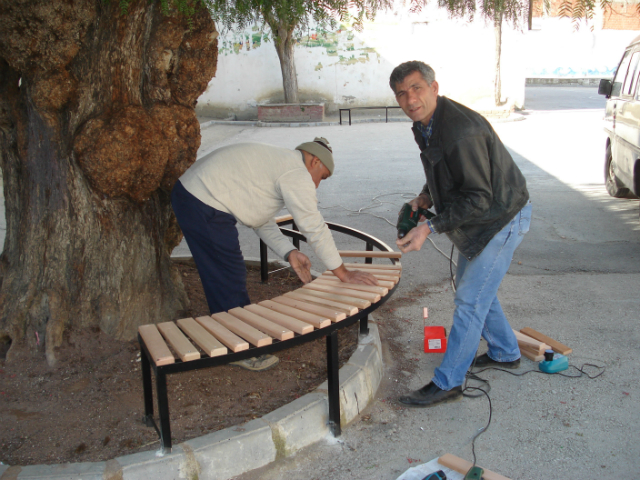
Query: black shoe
x,y
431,395
485,361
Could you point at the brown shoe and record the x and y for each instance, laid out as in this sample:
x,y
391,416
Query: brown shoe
x,y
431,395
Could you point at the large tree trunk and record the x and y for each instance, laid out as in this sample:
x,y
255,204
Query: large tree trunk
x,y
498,37
283,40
97,122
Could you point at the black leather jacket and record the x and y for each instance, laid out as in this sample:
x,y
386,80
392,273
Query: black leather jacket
x,y
473,182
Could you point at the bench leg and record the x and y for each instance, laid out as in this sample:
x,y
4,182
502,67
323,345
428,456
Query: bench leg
x,y
333,380
364,325
145,365
264,266
163,410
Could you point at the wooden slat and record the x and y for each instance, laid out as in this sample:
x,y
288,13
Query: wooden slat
x,y
354,302
536,357
462,466
554,344
181,344
283,218
378,266
282,319
207,342
362,253
530,342
334,279
330,313
317,321
380,290
301,295
318,287
158,349
376,271
389,278
231,340
262,324
252,335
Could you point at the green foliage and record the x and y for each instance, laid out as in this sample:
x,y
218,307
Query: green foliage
x,y
579,10
508,10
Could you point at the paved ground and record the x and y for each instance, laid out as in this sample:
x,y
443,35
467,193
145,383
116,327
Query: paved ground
x,y
575,278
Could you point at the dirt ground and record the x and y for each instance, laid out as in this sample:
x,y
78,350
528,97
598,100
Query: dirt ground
x,y
89,408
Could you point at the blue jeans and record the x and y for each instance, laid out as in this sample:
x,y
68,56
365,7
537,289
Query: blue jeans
x,y
212,237
478,311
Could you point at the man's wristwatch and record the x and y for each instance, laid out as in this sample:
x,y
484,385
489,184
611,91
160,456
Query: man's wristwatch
x,y
430,225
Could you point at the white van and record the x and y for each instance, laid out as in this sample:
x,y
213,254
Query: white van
x,y
622,124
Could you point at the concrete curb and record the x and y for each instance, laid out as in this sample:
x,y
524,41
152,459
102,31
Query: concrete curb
x,y
236,450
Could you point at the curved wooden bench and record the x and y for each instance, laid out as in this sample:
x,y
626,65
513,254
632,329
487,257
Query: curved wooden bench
x,y
318,309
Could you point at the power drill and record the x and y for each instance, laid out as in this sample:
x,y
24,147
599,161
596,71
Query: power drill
x,y
408,219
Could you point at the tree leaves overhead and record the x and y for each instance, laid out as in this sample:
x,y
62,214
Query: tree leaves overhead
x,y
579,10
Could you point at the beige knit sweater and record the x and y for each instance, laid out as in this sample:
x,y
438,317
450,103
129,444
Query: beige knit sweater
x,y
253,182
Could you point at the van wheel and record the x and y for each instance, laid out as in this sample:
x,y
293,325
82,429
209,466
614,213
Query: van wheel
x,y
610,179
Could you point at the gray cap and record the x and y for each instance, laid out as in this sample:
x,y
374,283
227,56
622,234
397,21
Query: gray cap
x,y
320,148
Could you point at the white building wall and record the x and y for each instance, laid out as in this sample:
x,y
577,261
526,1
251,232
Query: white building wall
x,y
349,68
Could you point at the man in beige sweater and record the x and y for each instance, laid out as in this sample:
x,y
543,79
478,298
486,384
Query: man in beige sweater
x,y
250,183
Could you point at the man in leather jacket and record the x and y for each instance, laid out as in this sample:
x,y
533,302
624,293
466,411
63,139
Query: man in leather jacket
x,y
482,205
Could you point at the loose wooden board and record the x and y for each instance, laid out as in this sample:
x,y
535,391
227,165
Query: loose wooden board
x,y
380,290
362,253
554,344
462,466
378,266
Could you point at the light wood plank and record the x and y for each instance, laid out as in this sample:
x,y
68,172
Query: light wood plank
x,y
354,302
286,321
207,342
252,335
283,218
158,349
332,314
365,254
317,321
381,283
535,357
379,266
181,344
554,344
262,324
380,290
231,340
301,295
530,342
462,466
377,271
318,287
389,278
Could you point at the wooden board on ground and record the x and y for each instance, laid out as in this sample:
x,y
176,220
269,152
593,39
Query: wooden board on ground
x,y
158,349
347,300
335,280
531,355
363,253
283,218
252,335
379,266
282,319
380,290
318,287
317,321
181,344
291,301
226,336
462,466
262,324
207,342
322,302
532,343
554,344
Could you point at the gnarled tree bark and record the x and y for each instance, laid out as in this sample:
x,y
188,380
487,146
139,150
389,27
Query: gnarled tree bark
x,y
97,122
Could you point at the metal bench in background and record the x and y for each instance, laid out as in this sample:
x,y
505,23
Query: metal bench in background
x,y
386,112
318,309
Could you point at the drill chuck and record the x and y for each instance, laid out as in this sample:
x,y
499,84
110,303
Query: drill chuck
x,y
408,219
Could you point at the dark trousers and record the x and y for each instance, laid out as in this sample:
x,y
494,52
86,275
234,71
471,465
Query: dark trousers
x,y
213,240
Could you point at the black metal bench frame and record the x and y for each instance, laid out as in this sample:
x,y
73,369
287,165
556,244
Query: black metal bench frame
x,y
163,426
386,112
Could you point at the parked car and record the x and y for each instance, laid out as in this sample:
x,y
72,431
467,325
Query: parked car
x,y
622,125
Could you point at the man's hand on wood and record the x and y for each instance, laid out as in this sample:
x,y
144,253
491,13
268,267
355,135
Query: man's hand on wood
x,y
354,276
301,265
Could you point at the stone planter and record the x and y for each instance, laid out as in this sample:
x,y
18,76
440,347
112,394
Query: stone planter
x,y
291,112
